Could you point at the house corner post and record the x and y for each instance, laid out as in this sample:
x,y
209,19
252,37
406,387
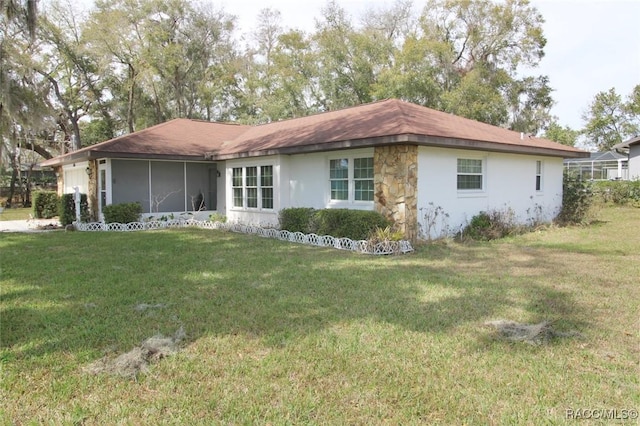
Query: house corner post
x,y
92,190
395,186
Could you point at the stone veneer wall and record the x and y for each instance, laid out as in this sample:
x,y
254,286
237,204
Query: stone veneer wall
x,y
92,190
396,186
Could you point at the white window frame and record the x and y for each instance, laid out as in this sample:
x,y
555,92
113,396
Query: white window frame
x,y
539,176
104,165
351,180
258,187
482,174
262,187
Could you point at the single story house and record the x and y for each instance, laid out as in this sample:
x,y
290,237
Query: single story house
x,y
631,149
607,165
406,161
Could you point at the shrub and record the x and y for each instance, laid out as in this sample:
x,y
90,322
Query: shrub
x,y
379,235
67,209
297,219
122,213
435,223
577,199
344,223
619,191
491,225
45,204
339,223
217,217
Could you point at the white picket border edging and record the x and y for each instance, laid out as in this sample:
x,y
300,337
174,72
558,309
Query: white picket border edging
x,y
361,246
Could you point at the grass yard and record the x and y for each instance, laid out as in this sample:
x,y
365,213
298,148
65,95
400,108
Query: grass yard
x,y
15,214
279,333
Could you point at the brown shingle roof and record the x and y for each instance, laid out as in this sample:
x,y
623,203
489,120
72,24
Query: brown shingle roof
x,y
378,123
384,122
176,139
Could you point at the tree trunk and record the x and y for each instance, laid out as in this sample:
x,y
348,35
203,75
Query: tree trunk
x,y
132,88
14,179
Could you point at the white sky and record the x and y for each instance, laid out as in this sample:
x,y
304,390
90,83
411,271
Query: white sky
x,y
592,45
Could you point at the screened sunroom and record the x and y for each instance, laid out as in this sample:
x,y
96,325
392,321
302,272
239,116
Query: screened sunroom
x,y
608,165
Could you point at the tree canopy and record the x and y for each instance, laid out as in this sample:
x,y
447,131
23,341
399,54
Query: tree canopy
x,y
610,119
81,77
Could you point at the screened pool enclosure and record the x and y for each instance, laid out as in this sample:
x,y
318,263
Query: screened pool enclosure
x,y
160,186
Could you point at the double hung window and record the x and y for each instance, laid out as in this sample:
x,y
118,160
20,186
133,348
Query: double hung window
x,y
351,179
470,174
252,187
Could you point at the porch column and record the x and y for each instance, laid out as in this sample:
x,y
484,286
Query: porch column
x,y
92,190
395,186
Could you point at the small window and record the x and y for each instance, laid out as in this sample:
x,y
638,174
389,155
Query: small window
x,y
339,177
252,187
470,175
237,184
538,175
363,178
266,186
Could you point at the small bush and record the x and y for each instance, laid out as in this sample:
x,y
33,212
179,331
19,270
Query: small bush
x,y
67,209
435,223
339,223
122,213
486,226
619,191
345,223
217,217
577,199
45,204
297,219
380,235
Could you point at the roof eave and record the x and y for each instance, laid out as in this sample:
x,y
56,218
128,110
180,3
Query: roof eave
x,y
96,155
412,139
73,157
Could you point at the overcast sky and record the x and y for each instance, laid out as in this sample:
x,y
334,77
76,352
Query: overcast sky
x,y
592,45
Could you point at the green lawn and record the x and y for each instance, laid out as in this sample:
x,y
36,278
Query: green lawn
x,y
15,214
280,333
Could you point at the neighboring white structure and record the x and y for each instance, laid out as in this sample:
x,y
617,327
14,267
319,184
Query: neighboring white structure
x,y
428,171
609,165
631,148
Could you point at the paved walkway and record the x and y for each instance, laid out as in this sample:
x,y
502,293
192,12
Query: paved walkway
x,y
31,225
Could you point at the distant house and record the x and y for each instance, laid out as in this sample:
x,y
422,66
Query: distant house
x,y
608,165
631,149
400,159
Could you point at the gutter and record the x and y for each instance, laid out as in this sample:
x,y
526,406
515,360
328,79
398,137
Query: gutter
x,y
420,140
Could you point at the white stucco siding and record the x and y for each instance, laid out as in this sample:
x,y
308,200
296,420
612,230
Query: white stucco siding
x,y
75,175
300,180
634,162
309,180
509,182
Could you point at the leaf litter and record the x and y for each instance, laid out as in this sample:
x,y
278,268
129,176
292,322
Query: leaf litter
x,y
533,334
138,359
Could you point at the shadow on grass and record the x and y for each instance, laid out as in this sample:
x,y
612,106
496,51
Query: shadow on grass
x,y
81,296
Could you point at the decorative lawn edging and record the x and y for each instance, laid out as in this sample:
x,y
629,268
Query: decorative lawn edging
x,y
361,246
